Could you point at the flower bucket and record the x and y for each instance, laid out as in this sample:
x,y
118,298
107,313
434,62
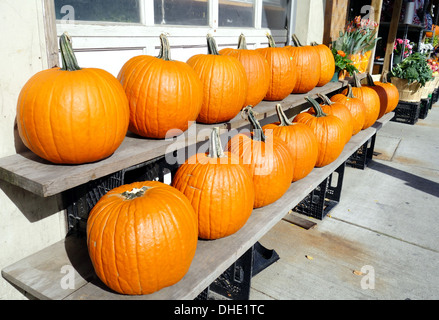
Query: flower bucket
x,y
407,92
360,61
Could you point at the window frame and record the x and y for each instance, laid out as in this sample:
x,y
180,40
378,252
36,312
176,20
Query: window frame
x,y
113,35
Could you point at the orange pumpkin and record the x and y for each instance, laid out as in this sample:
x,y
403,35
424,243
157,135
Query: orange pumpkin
x,y
307,65
340,111
329,131
267,158
71,115
219,188
392,94
256,69
220,102
355,106
164,95
300,140
370,99
327,64
282,70
142,237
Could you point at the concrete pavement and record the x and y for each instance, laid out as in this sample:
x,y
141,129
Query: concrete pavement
x,y
381,241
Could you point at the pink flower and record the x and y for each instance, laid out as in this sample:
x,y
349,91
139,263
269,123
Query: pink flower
x,y
399,41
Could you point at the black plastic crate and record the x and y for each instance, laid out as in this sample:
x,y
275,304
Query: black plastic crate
x,y
361,158
435,95
235,282
324,197
80,200
424,107
407,112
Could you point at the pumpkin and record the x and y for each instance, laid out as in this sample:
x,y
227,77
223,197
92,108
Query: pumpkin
x,y
256,68
71,115
370,99
392,94
307,65
220,190
282,70
164,95
267,158
327,63
382,94
301,142
224,82
340,111
329,131
355,106
142,237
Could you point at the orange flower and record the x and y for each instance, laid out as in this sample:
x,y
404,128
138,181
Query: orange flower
x,y
341,53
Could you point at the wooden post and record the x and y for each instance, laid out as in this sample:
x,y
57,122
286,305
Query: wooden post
x,y
50,33
335,19
377,6
392,34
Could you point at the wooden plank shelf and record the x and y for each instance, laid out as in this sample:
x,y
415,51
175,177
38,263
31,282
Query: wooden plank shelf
x,y
30,172
41,273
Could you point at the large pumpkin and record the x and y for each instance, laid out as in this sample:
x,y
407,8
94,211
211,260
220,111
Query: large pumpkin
x,y
389,96
164,95
370,99
355,106
224,84
301,142
329,131
256,69
142,237
267,158
219,188
340,111
282,69
327,64
307,63
71,115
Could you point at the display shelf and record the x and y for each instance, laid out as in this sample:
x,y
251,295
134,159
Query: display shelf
x,y
41,273
28,171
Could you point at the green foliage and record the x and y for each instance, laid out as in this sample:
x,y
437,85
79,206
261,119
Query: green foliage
x,y
342,62
414,68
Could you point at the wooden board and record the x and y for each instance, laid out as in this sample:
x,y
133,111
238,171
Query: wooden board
x,y
45,179
42,279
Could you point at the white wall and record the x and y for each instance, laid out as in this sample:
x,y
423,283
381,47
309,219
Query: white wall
x,y
28,223
310,20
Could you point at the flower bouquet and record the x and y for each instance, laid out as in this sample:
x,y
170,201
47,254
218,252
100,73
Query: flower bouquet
x,y
357,41
343,65
401,50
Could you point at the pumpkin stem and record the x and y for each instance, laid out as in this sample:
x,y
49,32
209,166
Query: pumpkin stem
x,y
165,52
211,45
271,42
325,99
357,82
384,76
370,81
350,94
135,193
258,134
216,149
296,41
317,108
242,43
284,121
314,44
69,62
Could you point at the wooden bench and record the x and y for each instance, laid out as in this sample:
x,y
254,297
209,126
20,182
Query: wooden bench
x,y
41,274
